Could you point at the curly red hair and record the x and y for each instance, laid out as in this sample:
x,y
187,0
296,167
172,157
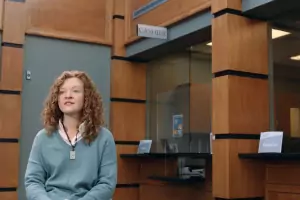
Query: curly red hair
x,y
92,113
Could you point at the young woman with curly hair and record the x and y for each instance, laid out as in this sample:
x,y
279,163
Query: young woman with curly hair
x,y
74,156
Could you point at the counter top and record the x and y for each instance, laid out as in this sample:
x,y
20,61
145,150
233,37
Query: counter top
x,y
192,180
270,156
168,155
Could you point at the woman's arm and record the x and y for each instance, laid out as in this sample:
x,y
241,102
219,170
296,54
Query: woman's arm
x,y
35,175
107,181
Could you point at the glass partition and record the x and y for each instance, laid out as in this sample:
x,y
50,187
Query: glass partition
x,y
179,101
286,80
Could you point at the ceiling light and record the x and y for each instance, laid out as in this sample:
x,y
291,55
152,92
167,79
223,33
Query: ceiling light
x,y
296,58
278,33
275,34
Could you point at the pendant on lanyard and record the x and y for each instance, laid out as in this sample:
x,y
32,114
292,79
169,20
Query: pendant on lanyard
x,y
72,152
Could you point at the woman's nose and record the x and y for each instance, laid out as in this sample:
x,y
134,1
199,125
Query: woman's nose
x,y
68,95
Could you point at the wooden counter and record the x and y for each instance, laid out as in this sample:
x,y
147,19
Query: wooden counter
x,y
282,179
158,177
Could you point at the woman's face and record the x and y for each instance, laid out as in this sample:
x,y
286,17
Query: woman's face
x,y
71,97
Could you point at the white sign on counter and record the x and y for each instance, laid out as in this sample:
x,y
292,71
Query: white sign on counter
x,y
270,142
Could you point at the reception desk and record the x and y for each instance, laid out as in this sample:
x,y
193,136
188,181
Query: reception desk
x,y
156,177
282,174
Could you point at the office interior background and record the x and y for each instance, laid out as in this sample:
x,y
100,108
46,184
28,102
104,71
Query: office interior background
x,y
228,67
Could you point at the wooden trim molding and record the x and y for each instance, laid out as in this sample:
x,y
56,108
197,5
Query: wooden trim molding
x,y
128,100
9,140
122,17
10,92
10,189
240,74
122,142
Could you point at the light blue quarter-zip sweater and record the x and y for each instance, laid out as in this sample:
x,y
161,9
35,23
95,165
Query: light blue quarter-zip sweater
x,y
52,175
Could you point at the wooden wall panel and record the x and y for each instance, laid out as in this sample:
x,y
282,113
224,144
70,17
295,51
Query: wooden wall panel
x,y
236,107
9,156
284,101
10,116
158,167
240,101
11,69
14,22
295,122
282,192
139,3
218,5
89,20
174,192
128,121
119,7
200,108
127,113
8,195
126,194
128,80
235,178
128,169
1,13
163,15
12,19
248,52
283,174
118,48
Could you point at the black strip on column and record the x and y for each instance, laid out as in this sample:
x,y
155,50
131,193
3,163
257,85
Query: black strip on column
x,y
237,136
6,44
227,11
130,185
241,74
118,17
127,142
251,198
12,92
12,189
9,140
128,59
127,100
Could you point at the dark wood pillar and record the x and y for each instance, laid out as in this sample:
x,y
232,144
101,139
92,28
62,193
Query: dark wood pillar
x,y
240,104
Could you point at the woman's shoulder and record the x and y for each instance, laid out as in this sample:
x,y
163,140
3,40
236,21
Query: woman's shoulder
x,y
42,135
105,134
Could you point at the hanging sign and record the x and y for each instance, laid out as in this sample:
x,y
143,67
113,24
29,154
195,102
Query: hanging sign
x,y
152,31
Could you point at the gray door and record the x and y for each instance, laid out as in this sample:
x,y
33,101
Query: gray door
x,y
46,58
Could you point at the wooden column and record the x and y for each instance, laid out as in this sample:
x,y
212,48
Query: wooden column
x,y
240,104
13,33
128,107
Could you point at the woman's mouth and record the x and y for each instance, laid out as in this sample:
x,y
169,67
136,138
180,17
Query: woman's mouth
x,y
68,103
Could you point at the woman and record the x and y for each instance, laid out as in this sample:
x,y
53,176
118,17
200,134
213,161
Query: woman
x,y
74,156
